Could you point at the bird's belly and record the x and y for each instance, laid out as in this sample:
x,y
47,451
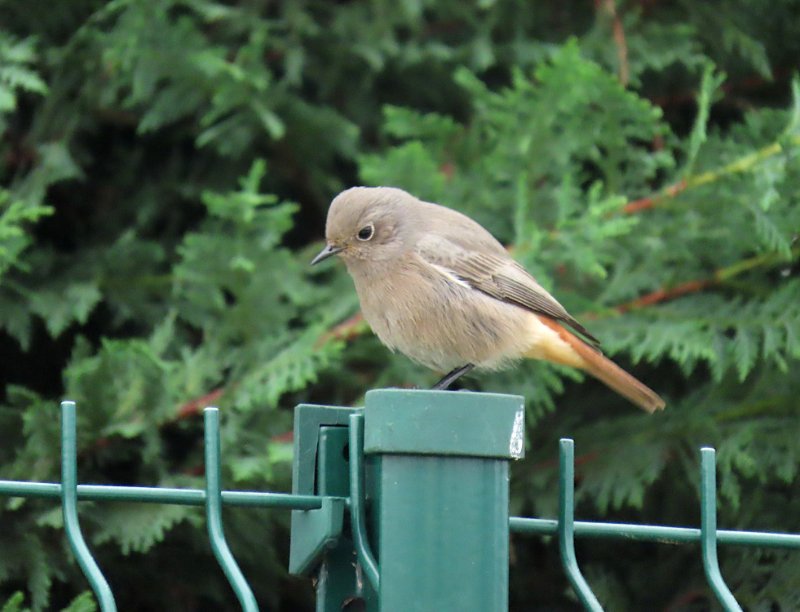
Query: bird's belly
x,y
445,325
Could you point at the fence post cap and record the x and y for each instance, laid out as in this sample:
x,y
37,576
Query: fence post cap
x,y
463,423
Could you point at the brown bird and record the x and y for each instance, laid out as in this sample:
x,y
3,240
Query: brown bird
x,y
436,286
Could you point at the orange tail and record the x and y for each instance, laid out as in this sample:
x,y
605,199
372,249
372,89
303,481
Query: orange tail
x,y
608,372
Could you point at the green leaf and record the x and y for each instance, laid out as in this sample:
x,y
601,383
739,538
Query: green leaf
x,y
709,86
15,603
139,527
73,303
82,603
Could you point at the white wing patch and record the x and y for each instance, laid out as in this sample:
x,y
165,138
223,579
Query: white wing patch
x,y
451,276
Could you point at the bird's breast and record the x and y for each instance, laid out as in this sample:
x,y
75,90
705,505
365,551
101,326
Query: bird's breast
x,y
438,321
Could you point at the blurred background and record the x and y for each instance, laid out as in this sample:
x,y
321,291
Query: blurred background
x,y
165,171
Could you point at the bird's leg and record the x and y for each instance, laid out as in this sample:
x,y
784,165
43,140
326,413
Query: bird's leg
x,y
449,378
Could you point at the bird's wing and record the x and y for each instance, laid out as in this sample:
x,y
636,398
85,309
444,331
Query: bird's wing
x,y
496,275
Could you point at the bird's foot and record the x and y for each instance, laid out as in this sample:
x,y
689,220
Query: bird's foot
x,y
449,378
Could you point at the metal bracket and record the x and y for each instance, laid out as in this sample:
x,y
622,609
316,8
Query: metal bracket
x,y
318,544
313,533
316,531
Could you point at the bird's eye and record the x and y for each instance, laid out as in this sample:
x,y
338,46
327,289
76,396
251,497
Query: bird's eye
x,y
366,232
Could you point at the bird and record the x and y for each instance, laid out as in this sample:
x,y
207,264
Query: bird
x,y
436,286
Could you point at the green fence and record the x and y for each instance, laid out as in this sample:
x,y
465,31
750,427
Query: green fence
x,y
402,506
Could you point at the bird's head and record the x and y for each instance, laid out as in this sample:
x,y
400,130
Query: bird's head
x,y
367,224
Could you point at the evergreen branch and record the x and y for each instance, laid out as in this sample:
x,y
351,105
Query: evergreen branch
x,y
738,166
651,201
196,406
764,407
664,295
610,7
344,331
693,286
687,598
189,409
748,84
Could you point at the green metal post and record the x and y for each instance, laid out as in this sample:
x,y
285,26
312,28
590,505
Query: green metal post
x,y
437,487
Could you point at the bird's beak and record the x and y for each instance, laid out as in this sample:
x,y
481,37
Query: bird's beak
x,y
328,251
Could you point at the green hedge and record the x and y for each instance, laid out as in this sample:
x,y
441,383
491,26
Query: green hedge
x,y
165,168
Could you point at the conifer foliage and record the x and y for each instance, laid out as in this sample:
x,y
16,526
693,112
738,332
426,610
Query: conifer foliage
x,y
165,168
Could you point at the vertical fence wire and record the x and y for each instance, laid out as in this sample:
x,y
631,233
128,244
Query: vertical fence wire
x,y
216,535
357,510
566,526
708,530
69,508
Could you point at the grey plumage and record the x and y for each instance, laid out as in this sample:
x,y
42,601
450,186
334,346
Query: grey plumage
x,y
438,287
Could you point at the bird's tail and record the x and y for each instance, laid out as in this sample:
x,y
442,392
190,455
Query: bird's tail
x,y
608,372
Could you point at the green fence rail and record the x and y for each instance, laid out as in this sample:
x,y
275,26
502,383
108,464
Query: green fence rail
x,y
423,477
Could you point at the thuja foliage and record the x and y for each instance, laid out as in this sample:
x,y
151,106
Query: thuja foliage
x,y
166,167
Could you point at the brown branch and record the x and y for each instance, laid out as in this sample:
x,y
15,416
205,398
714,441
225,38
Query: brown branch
x,y
663,295
344,331
695,286
582,459
650,201
187,410
748,83
740,165
618,32
195,406
619,41
685,599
